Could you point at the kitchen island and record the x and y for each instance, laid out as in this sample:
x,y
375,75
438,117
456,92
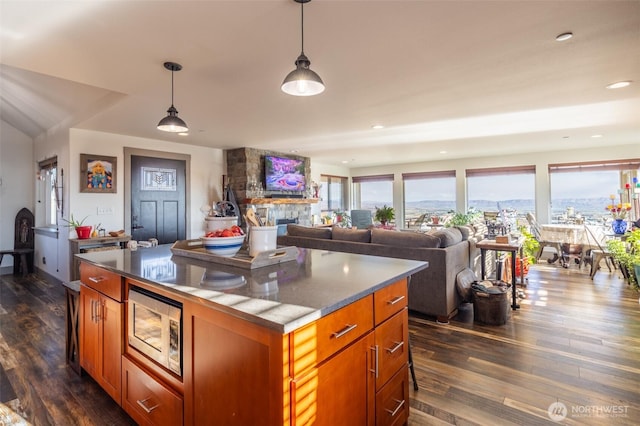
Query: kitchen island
x,y
320,339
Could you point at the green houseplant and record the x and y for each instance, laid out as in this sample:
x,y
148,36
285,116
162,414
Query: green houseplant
x,y
627,256
83,231
384,214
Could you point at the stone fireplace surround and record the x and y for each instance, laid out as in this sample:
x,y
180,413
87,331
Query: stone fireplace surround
x,y
247,164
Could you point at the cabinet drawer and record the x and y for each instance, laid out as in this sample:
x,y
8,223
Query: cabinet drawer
x,y
106,282
392,342
392,401
389,300
319,340
146,400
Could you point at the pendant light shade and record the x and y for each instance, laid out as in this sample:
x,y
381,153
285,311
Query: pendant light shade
x,y
302,81
172,123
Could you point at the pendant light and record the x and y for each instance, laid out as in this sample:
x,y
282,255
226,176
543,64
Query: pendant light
x,y
172,123
302,81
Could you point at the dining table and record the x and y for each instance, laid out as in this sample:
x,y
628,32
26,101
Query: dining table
x,y
567,238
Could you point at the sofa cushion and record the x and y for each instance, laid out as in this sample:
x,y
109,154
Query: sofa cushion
x,y
403,239
355,235
448,236
305,231
466,231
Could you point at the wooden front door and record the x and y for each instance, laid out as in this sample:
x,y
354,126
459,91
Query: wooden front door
x,y
158,187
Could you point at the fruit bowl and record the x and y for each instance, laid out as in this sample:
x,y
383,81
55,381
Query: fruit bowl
x,y
223,246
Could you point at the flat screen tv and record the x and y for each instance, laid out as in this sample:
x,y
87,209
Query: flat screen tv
x,y
284,174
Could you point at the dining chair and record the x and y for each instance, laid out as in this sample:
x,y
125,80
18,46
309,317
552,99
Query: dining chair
x,y
361,219
600,253
536,231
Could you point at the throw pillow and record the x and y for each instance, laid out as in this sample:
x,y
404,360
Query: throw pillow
x,y
464,279
404,239
448,236
466,231
305,231
355,235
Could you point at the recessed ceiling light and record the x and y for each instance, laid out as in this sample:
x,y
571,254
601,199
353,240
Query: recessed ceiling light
x,y
183,134
618,84
345,161
564,36
377,126
596,136
443,152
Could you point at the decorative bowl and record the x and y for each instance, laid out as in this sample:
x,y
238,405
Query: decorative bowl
x,y
222,246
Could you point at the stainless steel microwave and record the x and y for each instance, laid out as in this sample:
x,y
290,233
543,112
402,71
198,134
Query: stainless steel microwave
x,y
154,327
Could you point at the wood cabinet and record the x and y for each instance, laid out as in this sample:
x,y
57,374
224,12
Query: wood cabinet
x,y
146,399
339,391
101,328
392,347
348,367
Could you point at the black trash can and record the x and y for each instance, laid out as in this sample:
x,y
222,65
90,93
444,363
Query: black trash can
x,y
491,303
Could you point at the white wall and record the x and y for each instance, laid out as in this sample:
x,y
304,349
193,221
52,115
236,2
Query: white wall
x,y
17,175
206,177
540,160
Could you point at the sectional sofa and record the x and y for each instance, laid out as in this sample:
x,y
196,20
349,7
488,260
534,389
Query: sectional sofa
x,y
432,292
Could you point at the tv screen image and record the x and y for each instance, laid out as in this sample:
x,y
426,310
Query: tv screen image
x,y
284,174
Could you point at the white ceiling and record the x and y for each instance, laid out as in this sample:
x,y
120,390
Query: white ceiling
x,y
472,78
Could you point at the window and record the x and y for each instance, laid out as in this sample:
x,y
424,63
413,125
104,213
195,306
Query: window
x,y
50,190
504,188
579,192
433,193
373,191
333,193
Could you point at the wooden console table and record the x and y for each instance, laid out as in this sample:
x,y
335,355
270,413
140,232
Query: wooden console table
x,y
514,248
77,245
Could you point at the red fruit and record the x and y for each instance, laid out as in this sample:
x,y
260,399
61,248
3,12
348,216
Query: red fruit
x,y
227,233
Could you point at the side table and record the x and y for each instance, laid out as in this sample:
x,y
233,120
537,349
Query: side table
x,y
72,347
514,248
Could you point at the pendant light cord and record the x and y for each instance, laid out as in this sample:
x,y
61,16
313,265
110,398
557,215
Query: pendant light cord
x,y
302,26
171,87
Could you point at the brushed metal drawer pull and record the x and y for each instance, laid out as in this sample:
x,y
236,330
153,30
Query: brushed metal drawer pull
x,y
344,331
396,347
143,404
96,279
395,411
395,300
375,361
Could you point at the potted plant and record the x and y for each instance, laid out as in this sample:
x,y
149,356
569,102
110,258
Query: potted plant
x,y
627,256
342,219
384,214
83,231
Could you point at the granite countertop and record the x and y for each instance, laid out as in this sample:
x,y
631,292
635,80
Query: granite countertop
x,y
282,297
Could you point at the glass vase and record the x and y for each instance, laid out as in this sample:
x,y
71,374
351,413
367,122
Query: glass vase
x,y
619,226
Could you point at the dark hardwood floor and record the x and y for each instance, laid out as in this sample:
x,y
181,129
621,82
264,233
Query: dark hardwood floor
x,y
574,341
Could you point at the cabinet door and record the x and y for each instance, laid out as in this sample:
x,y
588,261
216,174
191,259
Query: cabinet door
x,y
89,330
111,336
340,391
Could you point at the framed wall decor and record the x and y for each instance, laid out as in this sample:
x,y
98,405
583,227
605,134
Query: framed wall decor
x,y
98,173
